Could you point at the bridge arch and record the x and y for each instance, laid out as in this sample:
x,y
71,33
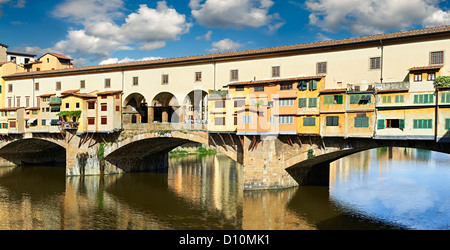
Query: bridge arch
x,y
135,108
34,151
149,151
312,167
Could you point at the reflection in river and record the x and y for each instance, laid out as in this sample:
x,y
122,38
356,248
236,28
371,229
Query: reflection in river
x,y
205,192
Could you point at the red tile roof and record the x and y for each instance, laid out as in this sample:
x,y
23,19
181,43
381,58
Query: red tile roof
x,y
255,52
426,67
111,92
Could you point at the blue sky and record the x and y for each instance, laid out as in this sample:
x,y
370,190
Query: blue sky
x,y
107,31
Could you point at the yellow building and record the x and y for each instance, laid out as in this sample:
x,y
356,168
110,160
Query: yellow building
x,y
221,112
12,120
308,115
332,112
74,106
50,61
407,110
360,111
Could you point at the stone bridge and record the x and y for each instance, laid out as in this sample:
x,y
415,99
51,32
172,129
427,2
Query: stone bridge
x,y
270,162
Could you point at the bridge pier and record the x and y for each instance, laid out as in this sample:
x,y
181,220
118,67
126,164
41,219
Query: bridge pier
x,y
264,163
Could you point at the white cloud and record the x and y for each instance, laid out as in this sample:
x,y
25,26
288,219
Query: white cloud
x,y
206,36
224,45
126,60
374,16
106,29
236,14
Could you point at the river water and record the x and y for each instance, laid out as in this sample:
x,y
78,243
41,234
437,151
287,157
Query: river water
x,y
377,189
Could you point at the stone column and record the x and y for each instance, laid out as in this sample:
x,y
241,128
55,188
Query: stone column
x,y
165,114
151,115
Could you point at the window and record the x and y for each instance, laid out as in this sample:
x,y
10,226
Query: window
x,y
234,75
276,71
165,79
313,85
77,105
258,89
322,68
391,123
104,107
312,102
309,122
247,119
36,86
286,103
9,102
424,99
387,99
239,103
302,85
218,121
91,121
447,124
17,101
10,88
445,97
58,86
219,104
91,105
360,99
437,57
361,122
82,84
286,120
431,76
375,63
118,108
34,112
286,86
399,98
67,105
12,124
332,121
333,99
107,83
104,120
55,109
423,124
240,88
198,76
418,77
302,103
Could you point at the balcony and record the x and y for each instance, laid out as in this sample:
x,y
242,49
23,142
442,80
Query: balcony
x,y
360,88
392,86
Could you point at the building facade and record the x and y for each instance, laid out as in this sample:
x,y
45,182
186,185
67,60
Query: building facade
x,y
378,86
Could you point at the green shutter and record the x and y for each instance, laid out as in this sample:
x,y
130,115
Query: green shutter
x,y
365,122
328,100
430,123
340,99
401,124
357,122
302,103
312,102
381,124
415,126
447,124
416,99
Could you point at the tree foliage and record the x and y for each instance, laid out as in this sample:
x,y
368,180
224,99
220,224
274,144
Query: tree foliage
x,y
442,81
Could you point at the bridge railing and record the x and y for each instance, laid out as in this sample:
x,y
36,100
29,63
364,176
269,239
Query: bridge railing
x,y
165,127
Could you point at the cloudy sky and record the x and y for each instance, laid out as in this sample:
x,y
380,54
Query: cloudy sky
x,y
109,31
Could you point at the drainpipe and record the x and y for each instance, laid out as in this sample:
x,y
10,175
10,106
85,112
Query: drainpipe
x,y
381,60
